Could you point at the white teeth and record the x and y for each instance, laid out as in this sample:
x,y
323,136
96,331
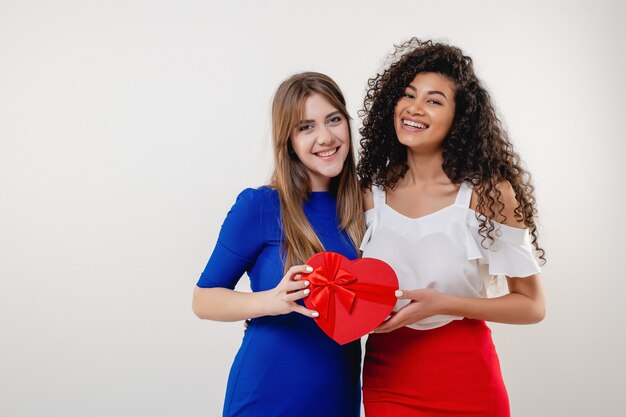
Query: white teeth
x,y
416,125
327,153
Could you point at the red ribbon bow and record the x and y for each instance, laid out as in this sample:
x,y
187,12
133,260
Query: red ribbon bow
x,y
328,280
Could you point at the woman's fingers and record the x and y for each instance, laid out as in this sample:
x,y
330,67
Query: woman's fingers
x,y
295,285
293,288
297,270
305,311
394,322
408,294
297,295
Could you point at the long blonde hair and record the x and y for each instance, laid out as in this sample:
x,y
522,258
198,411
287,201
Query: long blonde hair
x,y
290,176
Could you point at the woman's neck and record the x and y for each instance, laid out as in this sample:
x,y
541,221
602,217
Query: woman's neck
x,y
424,168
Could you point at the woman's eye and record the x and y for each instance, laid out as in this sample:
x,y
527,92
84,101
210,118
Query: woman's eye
x,y
334,120
408,95
433,101
305,127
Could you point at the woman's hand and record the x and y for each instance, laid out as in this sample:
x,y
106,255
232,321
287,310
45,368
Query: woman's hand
x,y
424,303
224,304
525,304
282,299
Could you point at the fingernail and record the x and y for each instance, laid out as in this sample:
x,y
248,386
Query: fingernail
x,y
307,291
399,293
309,269
315,314
306,283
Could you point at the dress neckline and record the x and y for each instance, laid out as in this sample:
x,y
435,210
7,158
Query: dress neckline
x,y
320,194
320,198
434,213
461,199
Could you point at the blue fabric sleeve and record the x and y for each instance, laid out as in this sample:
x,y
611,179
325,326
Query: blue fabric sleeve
x,y
239,242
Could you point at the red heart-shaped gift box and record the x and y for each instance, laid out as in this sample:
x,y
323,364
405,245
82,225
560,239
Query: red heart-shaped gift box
x,y
352,297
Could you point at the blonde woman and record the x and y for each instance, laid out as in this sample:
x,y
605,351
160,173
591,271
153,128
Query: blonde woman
x,y
286,365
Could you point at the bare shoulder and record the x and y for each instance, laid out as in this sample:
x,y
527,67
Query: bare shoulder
x,y
368,199
507,198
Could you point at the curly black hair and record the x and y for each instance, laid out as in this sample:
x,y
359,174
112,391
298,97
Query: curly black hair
x,y
476,150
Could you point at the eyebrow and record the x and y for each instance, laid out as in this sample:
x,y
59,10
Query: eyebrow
x,y
336,112
428,92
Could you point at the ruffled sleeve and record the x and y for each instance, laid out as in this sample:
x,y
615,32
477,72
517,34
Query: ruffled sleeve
x,y
509,254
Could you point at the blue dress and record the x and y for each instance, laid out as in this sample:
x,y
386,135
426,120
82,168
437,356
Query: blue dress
x,y
286,365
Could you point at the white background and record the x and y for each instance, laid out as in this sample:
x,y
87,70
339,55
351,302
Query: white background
x,y
127,128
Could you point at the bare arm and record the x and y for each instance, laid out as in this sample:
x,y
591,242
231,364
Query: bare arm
x,y
223,304
525,304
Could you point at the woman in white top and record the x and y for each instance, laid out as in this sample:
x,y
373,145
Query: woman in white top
x,y
450,208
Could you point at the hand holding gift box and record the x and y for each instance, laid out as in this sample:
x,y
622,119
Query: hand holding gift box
x,y
352,297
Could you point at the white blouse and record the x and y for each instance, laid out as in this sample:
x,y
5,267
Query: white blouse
x,y
443,250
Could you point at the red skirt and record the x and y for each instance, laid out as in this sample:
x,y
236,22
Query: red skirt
x,y
448,371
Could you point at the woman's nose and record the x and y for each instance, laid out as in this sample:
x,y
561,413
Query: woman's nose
x,y
325,135
415,107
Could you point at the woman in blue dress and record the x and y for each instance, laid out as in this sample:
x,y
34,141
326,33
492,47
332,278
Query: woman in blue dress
x,y
286,365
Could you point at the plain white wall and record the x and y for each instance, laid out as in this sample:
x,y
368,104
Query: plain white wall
x,y
128,127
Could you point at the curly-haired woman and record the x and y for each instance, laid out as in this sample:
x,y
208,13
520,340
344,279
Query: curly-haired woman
x,y
449,207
